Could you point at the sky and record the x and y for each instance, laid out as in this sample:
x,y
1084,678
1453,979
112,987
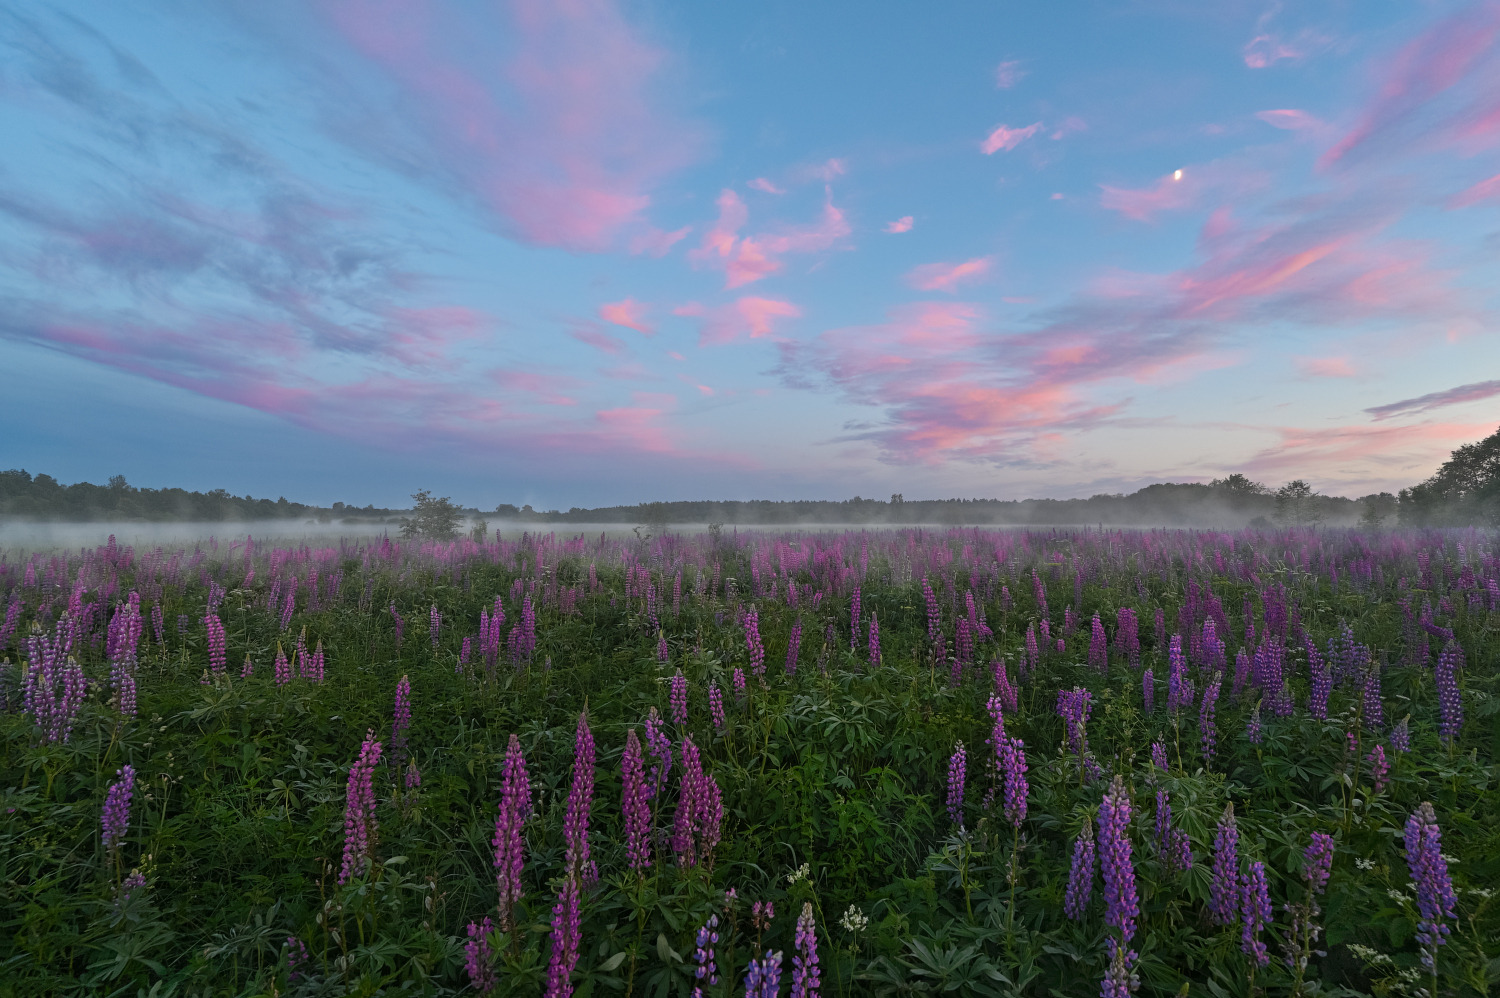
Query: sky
x,y
587,252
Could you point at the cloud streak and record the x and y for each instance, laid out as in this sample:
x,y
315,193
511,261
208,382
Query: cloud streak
x,y
1474,392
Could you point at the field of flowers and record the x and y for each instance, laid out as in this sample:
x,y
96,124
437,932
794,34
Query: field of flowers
x,y
1059,763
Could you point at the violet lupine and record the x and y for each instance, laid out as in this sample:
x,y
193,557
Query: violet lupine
x,y
413,776
1172,845
1401,736
479,957
1081,874
1122,906
401,717
116,816
1450,700
805,974
716,706
874,639
1206,727
753,643
957,771
707,970
1372,707
1159,756
283,668
12,619
1003,688
700,811
1429,870
510,848
1380,769
1224,894
464,651
636,804
1252,726
54,685
1255,913
660,747
794,645
312,667
663,650
763,979
218,656
854,620
1317,861
434,625
1320,684
677,705
1098,646
934,615
296,956
565,938
1012,753
739,683
289,606
1073,706
1179,689
580,802
1148,691
1241,669
359,812
246,671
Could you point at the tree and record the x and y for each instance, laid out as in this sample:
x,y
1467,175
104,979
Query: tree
x,y
1375,509
1239,484
431,519
1294,503
1465,490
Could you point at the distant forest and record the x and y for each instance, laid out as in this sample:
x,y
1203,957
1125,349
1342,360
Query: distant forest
x,y
1464,491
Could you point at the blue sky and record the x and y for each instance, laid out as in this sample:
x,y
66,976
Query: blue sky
x,y
585,252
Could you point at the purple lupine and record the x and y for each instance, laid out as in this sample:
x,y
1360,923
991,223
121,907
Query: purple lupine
x,y
399,621
1224,894
479,957
1098,646
1380,769
874,651
663,650
753,643
1127,634
401,718
1435,898
12,619
636,804
565,938
1081,874
1401,736
1373,709
54,685
1148,691
413,776
1121,903
1179,689
739,683
1252,726
1206,727
510,847
934,615
1173,848
464,651
1073,706
434,625
580,802
313,664
1012,754
854,619
246,671
1450,700
805,973
218,656
677,705
706,969
794,645
716,706
1033,652
1255,912
296,956
1003,688
957,771
660,747
1317,861
1320,683
359,812
1159,756
283,668
763,979
116,815
289,606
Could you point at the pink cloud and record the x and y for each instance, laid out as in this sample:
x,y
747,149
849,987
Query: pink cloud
x,y
1008,74
1475,392
1289,119
548,388
1267,50
748,316
1068,127
902,224
628,313
1450,54
751,258
947,276
599,340
1377,451
1326,367
1482,191
563,139
764,185
655,242
1169,193
1004,138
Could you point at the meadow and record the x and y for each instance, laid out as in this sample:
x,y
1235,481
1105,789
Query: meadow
x,y
896,762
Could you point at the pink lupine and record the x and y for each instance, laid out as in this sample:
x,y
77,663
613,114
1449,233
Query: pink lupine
x,y
359,812
283,668
565,938
217,654
510,848
636,804
580,802
677,706
716,707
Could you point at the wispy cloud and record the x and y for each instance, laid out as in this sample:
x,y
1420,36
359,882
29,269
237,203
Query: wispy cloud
x,y
1004,138
948,276
748,259
1475,392
628,313
1008,74
750,316
902,224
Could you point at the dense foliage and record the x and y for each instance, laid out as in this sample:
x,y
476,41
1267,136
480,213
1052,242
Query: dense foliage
x,y
960,762
1466,489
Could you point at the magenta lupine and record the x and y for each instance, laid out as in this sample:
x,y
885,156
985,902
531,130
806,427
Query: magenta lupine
x,y
116,816
580,802
246,671
957,770
1098,646
1159,756
739,683
794,645
1033,651
296,956
1179,689
12,619
1255,913
716,706
510,847
434,625
218,656
763,979
706,970
1012,753
312,668
1207,730
1380,769
565,938
660,747
636,804
413,776
1127,634
663,650
1450,700
805,974
479,957
1081,874
934,615
54,685
283,668
464,651
1003,688
1429,870
677,705
1148,691
1224,894
289,606
1122,907
874,639
1401,736
753,643
401,717
854,619
359,812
